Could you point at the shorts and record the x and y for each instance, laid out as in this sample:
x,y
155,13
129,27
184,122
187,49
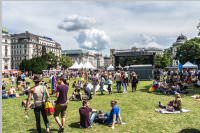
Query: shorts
x,y
60,108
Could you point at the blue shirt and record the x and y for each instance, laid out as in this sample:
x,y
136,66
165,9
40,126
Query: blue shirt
x,y
114,111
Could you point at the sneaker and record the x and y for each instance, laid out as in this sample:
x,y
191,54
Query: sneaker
x,y
61,130
48,130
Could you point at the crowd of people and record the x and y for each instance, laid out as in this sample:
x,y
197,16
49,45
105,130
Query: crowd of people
x,y
86,120
172,82
86,87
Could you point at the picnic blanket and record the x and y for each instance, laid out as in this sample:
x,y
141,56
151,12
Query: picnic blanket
x,y
164,111
196,96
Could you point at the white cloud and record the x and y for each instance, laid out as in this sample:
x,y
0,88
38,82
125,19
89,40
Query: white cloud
x,y
92,39
77,22
122,21
147,42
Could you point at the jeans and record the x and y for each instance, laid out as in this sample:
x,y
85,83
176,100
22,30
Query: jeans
x,y
101,87
92,118
94,89
37,111
107,120
125,85
118,86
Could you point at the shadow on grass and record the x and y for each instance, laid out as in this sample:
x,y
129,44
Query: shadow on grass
x,y
43,130
74,125
189,130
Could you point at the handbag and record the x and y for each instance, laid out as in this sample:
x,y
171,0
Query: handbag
x,y
48,107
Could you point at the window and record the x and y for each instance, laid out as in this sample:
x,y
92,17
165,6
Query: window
x,y
6,50
5,41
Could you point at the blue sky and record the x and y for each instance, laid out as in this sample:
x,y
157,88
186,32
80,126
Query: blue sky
x,y
117,25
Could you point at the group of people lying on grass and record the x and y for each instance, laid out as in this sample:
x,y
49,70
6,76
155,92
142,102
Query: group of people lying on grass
x,y
110,119
169,88
174,105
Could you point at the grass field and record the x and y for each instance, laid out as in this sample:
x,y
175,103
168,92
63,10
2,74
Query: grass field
x,y
137,110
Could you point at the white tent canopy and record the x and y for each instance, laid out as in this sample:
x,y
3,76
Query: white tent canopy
x,y
75,66
189,65
81,65
110,67
88,65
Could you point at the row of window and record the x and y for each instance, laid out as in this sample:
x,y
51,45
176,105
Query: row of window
x,y
18,58
47,44
19,46
19,52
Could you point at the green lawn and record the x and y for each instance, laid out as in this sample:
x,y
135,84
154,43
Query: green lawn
x,y
137,110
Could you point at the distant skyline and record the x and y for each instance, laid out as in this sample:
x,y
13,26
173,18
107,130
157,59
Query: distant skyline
x,y
103,25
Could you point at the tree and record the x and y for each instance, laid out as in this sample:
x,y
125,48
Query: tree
x,y
36,65
52,59
65,62
189,51
162,61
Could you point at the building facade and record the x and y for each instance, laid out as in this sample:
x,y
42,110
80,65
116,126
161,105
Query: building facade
x,y
27,45
179,41
6,50
107,61
84,56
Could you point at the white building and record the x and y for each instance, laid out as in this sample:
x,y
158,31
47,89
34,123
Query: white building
x,y
84,56
179,41
27,45
6,50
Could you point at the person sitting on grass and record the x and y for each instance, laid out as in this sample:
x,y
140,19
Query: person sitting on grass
x,y
12,92
85,119
174,105
114,116
87,90
76,95
4,92
74,84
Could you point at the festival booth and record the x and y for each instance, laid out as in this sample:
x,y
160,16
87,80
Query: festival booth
x,y
110,68
75,66
81,65
88,65
188,65
126,68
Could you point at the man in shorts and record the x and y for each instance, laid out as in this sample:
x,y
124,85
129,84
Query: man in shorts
x,y
61,103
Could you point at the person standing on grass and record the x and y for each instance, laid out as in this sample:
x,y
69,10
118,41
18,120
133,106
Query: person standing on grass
x,y
95,82
102,82
85,119
118,81
38,94
12,78
61,103
134,82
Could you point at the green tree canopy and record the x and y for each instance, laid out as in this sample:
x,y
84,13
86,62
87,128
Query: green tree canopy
x,y
162,61
189,51
65,62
